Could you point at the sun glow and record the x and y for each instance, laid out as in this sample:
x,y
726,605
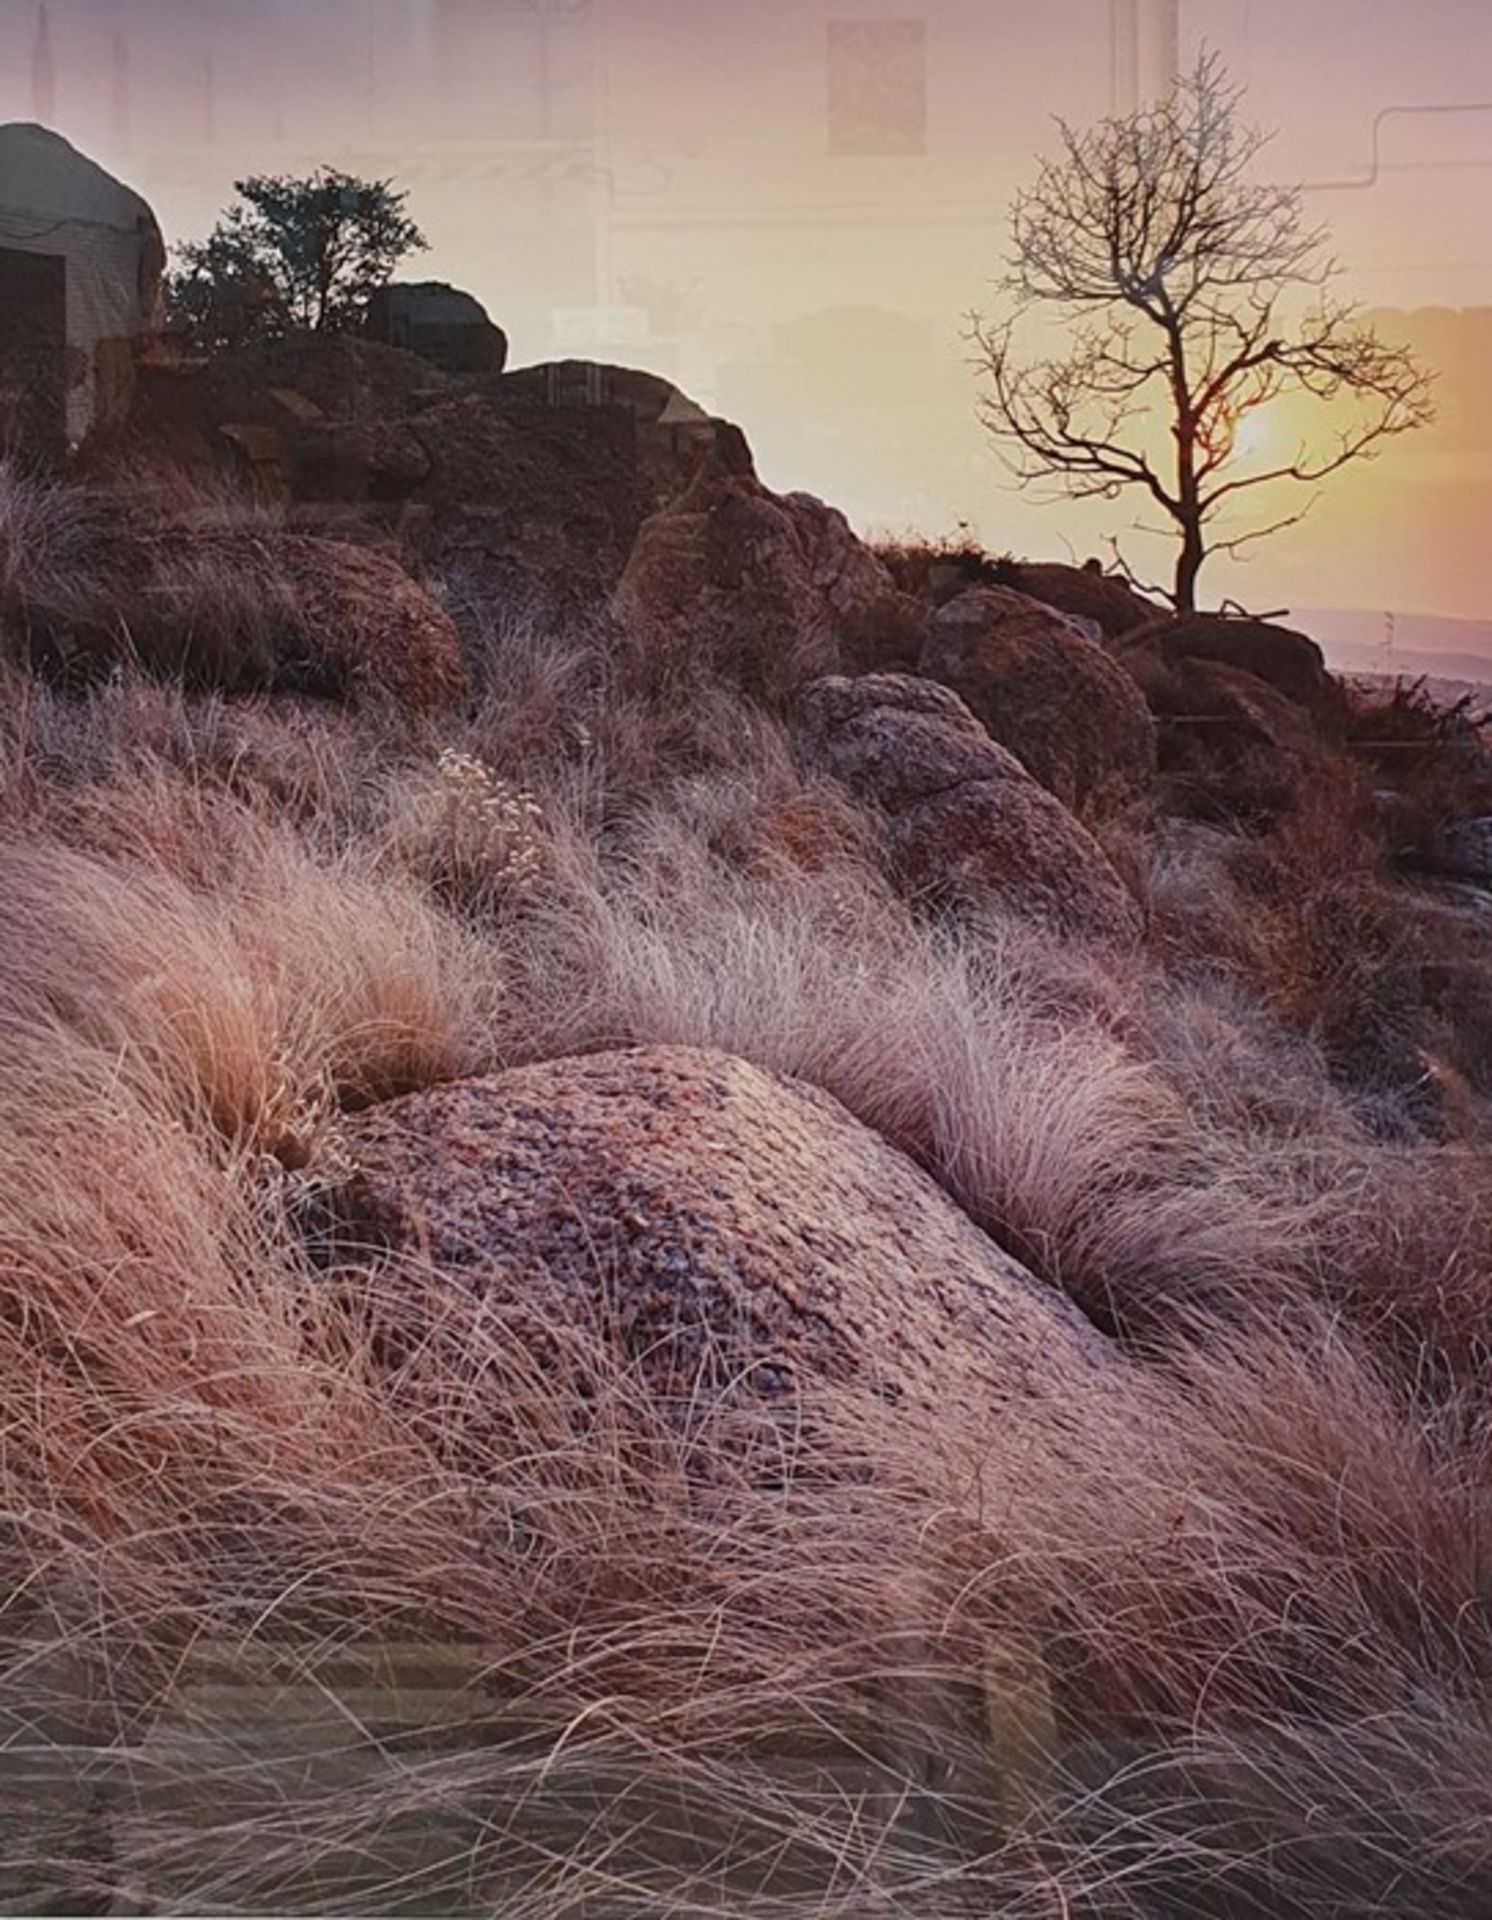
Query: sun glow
x,y
1262,433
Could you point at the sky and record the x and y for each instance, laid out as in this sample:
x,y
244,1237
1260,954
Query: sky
x,y
791,206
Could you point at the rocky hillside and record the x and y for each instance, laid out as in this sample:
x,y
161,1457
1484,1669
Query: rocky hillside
x,y
699,1218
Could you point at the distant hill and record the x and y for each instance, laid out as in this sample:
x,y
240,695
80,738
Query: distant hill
x,y
1421,644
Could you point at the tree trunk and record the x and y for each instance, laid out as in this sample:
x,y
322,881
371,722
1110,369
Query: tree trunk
x,y
1188,566
1186,509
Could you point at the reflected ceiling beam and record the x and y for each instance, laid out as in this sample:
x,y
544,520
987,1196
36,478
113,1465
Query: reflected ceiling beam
x,y
43,70
1144,52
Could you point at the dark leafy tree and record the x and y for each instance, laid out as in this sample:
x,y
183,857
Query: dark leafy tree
x,y
291,254
1187,295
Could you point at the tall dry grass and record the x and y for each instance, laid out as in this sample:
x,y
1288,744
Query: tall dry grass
x,y
1207,1635
51,538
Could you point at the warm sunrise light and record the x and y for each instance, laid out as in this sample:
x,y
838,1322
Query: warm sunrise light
x,y
1263,433
746,959
789,207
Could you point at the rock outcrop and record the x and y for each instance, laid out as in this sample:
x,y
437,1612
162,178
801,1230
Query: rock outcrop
x,y
528,486
1054,697
317,377
1288,661
526,503
343,620
968,825
308,419
1083,593
734,1236
441,323
764,590
1232,747
247,610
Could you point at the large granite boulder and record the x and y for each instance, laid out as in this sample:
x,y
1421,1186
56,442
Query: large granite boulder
x,y
1288,661
730,1235
968,825
768,591
525,487
540,481
669,436
249,610
1049,693
1084,593
527,502
441,323
1232,747
881,630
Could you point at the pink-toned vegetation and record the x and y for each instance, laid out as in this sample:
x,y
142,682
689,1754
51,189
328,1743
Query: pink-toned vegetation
x,y
1210,1638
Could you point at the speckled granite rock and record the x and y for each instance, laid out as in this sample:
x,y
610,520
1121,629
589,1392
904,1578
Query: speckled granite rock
x,y
244,610
728,1228
1288,661
1084,593
1055,698
968,826
770,590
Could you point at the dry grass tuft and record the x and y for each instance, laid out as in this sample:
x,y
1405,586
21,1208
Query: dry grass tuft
x,y
217,966
51,542
1431,762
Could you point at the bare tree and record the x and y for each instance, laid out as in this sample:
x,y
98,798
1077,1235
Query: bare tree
x,y
1190,294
